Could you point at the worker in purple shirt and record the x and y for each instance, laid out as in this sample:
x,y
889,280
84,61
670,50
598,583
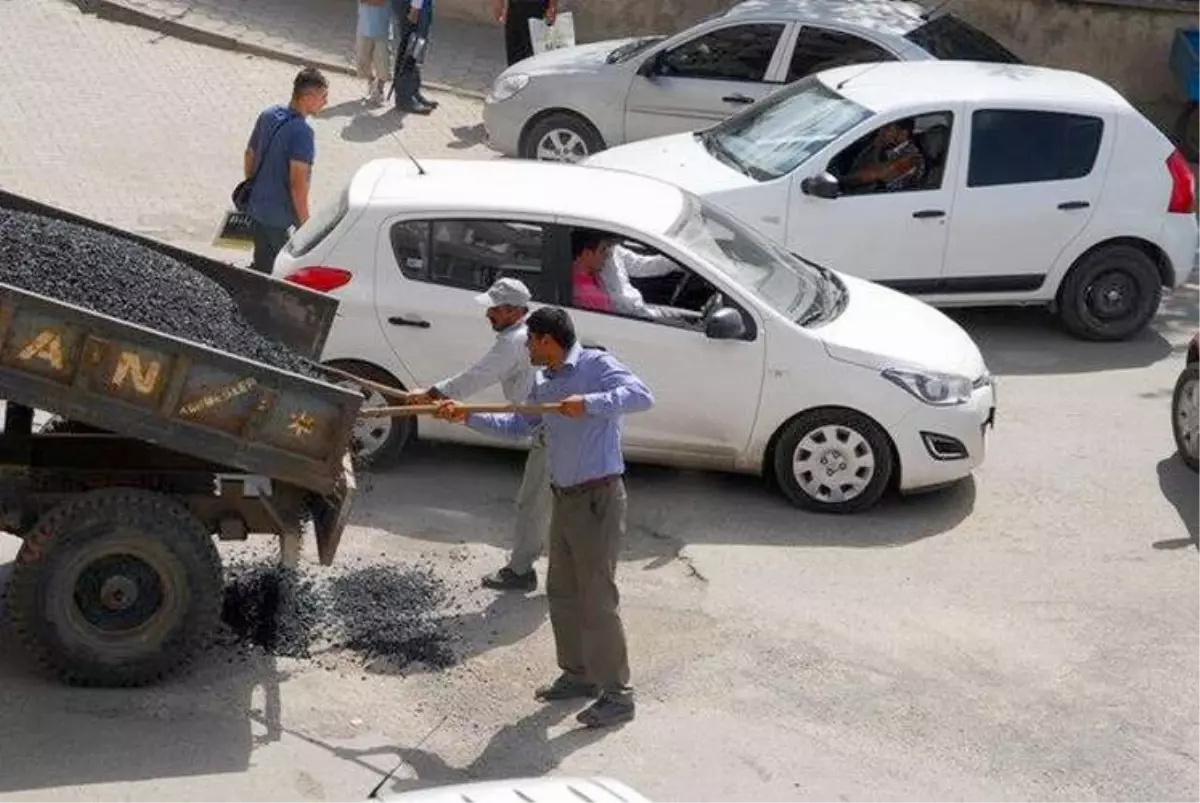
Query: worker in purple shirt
x,y
587,525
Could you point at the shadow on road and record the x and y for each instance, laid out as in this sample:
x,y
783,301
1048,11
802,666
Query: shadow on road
x,y
449,493
1020,342
52,735
1178,484
467,136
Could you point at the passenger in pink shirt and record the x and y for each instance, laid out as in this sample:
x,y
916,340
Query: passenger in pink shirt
x,y
590,250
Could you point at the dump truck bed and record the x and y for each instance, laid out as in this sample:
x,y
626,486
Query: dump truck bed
x,y
178,394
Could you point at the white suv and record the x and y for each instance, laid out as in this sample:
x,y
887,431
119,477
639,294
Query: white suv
x,y
1039,187
759,361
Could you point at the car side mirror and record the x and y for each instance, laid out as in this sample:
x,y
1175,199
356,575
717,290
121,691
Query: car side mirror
x,y
725,324
822,185
654,65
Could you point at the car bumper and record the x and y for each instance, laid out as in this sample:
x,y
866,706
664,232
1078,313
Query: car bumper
x,y
940,445
503,121
1180,240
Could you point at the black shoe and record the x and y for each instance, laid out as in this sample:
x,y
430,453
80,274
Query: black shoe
x,y
609,710
566,687
508,580
433,104
414,107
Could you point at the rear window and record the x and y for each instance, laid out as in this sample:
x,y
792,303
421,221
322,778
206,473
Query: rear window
x,y
318,227
1018,147
950,39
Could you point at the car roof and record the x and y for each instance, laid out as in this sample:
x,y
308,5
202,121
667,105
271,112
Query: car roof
x,y
521,187
881,87
896,17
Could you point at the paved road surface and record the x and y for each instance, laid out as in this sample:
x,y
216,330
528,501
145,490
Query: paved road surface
x,y
1030,634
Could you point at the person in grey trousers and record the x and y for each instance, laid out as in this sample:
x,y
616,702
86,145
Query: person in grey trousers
x,y
507,364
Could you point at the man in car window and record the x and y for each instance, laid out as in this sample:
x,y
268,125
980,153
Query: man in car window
x,y
601,270
891,163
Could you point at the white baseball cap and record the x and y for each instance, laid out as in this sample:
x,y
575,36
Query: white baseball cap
x,y
505,293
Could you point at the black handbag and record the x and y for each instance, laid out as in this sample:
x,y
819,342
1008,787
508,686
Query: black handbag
x,y
241,193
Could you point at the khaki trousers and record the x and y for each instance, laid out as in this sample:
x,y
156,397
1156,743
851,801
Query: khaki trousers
x,y
534,502
586,530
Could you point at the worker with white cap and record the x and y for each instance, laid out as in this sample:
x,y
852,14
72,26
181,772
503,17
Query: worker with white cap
x,y
507,364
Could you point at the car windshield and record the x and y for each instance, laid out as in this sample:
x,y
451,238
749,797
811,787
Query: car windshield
x,y
630,49
774,137
793,287
950,39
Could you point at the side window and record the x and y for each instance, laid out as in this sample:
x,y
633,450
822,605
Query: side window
x,y
737,53
904,155
1020,147
820,49
470,254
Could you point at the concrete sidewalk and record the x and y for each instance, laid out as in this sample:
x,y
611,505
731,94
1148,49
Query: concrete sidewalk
x,y
463,56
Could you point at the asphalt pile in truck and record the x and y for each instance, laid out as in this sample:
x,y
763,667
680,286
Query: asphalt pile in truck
x,y
374,611
105,274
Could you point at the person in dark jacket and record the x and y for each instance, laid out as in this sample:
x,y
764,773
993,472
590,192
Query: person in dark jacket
x,y
515,15
414,18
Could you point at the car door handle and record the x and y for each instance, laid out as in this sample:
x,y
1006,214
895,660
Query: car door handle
x,y
400,320
739,98
597,346
926,213
1074,205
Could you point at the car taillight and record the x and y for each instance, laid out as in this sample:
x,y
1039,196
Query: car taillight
x,y
320,278
1183,185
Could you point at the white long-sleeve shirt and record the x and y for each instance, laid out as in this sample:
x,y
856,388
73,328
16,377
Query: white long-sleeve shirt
x,y
506,363
622,263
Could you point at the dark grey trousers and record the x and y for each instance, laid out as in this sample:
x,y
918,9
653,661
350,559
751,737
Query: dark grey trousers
x,y
268,242
586,530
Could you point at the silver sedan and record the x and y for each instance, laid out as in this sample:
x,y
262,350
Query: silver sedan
x,y
566,104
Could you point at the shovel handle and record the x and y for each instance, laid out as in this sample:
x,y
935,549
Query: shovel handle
x,y
430,409
386,390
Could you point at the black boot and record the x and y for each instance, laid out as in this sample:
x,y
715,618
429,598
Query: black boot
x,y
508,580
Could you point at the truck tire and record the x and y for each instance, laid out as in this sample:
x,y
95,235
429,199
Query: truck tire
x,y
116,587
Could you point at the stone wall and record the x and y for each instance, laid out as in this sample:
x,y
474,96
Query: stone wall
x,y
1125,43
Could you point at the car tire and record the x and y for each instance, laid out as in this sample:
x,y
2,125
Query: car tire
x,y
1110,294
379,443
1184,414
848,446
569,135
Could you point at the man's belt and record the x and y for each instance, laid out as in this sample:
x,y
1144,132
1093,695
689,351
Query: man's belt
x,y
586,485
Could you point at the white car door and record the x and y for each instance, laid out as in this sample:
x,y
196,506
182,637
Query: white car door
x,y
1028,187
693,84
706,391
428,273
891,235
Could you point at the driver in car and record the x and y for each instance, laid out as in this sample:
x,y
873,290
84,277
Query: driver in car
x,y
892,162
601,271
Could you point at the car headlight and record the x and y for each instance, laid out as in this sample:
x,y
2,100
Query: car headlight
x,y
939,390
508,85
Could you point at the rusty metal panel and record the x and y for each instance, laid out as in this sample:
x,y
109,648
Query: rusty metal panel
x,y
46,345
217,398
302,423
134,373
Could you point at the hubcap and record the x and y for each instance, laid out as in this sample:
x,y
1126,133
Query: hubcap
x,y
1187,418
833,464
1113,295
561,145
117,593
370,433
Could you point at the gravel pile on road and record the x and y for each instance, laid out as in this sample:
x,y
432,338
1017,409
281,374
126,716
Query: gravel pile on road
x,y
100,272
377,612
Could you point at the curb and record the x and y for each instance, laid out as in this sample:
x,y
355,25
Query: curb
x,y
115,11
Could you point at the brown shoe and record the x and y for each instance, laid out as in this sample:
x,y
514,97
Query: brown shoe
x,y
566,688
609,710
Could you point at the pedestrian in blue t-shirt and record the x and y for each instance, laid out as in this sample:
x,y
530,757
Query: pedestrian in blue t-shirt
x,y
280,157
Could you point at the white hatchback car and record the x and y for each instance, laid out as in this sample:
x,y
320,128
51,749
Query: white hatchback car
x,y
839,387
1039,187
